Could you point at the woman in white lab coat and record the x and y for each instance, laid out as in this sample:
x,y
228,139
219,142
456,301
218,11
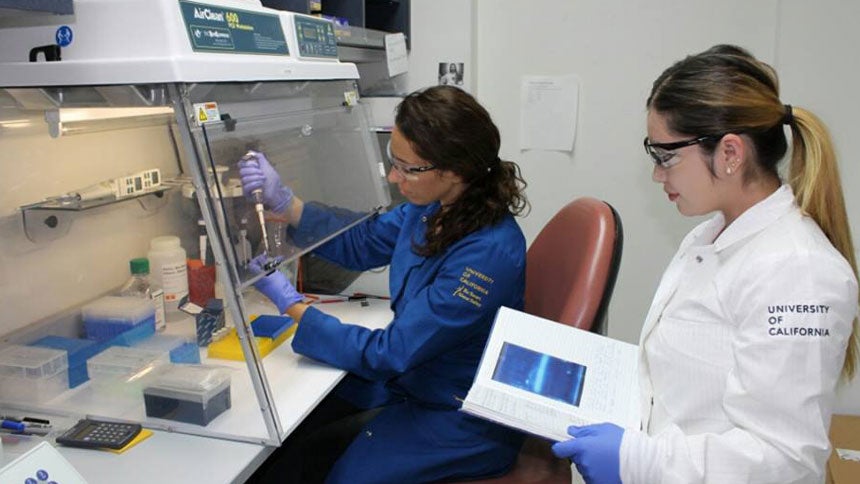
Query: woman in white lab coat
x,y
754,320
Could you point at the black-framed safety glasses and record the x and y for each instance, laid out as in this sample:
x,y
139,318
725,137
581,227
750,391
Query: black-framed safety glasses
x,y
663,154
406,170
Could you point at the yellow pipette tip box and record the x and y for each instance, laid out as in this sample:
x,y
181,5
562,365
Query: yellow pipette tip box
x,y
229,348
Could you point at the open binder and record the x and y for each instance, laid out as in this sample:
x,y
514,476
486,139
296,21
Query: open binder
x,y
541,376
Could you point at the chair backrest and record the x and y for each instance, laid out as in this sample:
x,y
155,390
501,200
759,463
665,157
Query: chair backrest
x,y
572,265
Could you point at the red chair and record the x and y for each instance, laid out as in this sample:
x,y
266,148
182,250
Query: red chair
x,y
572,265
571,269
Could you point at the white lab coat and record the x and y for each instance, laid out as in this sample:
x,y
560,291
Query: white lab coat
x,y
741,352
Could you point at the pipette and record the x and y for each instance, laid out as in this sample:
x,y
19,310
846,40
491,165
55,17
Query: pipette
x,y
258,204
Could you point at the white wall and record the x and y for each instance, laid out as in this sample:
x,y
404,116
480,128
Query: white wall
x,y
616,49
818,64
817,61
442,31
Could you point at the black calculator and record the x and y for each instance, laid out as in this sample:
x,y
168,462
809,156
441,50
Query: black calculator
x,y
99,434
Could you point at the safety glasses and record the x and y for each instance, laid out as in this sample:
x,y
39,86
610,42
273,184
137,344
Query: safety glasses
x,y
407,171
663,154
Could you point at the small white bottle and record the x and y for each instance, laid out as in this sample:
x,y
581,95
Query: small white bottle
x,y
140,286
169,272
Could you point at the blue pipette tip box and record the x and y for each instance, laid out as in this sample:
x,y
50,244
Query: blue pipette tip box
x,y
110,316
270,326
79,351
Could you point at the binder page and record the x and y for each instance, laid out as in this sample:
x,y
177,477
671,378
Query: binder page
x,y
541,376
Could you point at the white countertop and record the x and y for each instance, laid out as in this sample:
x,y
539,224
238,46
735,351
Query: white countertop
x,y
298,384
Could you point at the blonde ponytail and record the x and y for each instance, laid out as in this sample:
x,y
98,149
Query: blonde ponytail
x,y
814,177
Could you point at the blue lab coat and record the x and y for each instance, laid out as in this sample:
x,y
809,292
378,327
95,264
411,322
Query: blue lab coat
x,y
443,310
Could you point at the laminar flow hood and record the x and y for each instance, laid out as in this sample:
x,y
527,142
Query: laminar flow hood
x,y
166,41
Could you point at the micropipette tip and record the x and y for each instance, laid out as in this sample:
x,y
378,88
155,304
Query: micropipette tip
x,y
262,218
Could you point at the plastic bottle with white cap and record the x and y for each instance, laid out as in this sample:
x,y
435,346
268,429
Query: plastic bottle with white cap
x,y
168,270
140,285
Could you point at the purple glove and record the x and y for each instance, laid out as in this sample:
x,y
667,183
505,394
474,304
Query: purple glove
x,y
275,286
257,174
594,449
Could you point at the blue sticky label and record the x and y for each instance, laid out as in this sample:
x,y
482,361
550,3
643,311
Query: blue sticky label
x,y
213,28
64,36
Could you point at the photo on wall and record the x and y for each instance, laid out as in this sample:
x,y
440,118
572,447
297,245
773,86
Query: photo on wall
x,y
451,73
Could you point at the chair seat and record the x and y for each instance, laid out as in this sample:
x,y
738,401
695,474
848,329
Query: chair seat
x,y
535,464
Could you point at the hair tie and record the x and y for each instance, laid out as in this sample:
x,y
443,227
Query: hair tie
x,y
788,117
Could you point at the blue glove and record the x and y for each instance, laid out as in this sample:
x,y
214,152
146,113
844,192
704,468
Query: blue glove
x,y
594,449
275,286
258,174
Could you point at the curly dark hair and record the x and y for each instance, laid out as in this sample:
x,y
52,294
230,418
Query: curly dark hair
x,y
449,128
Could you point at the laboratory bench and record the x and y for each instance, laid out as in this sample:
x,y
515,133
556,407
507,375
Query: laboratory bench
x,y
298,384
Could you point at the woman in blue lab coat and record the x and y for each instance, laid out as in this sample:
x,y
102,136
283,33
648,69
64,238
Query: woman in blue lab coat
x,y
456,255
